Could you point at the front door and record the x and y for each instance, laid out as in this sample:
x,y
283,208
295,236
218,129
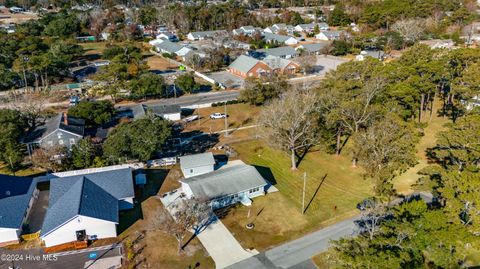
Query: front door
x,y
81,235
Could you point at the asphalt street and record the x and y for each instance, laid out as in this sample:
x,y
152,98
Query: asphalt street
x,y
296,254
37,259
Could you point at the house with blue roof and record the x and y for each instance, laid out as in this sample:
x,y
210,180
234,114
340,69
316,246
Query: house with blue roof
x,y
17,195
86,206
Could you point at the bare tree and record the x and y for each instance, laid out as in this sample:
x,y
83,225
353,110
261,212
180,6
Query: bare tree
x,y
33,110
189,215
50,158
410,29
307,62
290,122
373,212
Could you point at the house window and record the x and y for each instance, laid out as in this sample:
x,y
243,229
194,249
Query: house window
x,y
191,171
60,142
72,141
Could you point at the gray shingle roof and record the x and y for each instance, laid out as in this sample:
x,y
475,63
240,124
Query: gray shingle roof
x,y
75,126
81,197
281,51
164,109
276,62
315,47
140,111
274,37
168,46
244,63
203,34
225,181
15,195
196,160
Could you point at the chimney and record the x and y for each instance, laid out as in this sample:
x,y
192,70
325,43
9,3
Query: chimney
x,y
65,118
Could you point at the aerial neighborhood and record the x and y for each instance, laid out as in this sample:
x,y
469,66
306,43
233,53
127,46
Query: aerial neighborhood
x,y
239,134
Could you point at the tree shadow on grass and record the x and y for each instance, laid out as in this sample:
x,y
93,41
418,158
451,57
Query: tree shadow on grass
x,y
315,193
155,179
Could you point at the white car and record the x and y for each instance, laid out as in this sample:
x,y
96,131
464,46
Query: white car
x,y
217,116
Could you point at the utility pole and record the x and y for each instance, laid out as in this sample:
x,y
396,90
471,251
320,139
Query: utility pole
x,y
304,185
226,122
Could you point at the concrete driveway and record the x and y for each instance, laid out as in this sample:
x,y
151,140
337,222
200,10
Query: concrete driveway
x,y
38,211
215,237
222,246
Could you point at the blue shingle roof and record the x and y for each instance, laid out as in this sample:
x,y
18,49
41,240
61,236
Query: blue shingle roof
x,y
93,195
15,195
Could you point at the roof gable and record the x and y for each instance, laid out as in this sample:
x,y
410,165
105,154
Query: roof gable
x,y
197,160
225,181
244,63
15,196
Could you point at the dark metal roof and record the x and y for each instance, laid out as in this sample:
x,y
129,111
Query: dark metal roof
x,y
15,195
83,198
94,195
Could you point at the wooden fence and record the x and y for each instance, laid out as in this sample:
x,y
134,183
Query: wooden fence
x,y
31,237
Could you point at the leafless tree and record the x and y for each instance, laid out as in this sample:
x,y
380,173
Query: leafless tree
x,y
50,158
371,217
307,62
290,122
410,29
32,108
189,215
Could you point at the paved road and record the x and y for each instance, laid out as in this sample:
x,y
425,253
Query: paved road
x,y
296,254
197,99
35,259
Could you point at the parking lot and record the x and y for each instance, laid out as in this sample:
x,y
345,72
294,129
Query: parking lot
x,y
325,64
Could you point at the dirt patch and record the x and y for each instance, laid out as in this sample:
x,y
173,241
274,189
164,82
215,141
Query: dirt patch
x,y
159,63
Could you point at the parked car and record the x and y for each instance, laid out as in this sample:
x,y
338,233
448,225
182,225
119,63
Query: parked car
x,y
217,116
191,118
74,100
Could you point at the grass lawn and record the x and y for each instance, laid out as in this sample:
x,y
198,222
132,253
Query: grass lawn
x,y
403,183
320,261
238,115
159,249
23,172
333,189
93,47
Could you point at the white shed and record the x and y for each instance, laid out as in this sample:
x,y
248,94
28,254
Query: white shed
x,y
197,164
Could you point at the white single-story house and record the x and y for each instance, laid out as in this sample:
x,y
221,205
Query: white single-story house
x,y
274,29
313,48
377,54
204,34
280,39
310,27
167,112
331,35
17,195
86,206
235,182
167,36
197,164
172,48
245,30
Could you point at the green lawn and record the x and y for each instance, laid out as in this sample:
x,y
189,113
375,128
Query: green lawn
x,y
333,189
